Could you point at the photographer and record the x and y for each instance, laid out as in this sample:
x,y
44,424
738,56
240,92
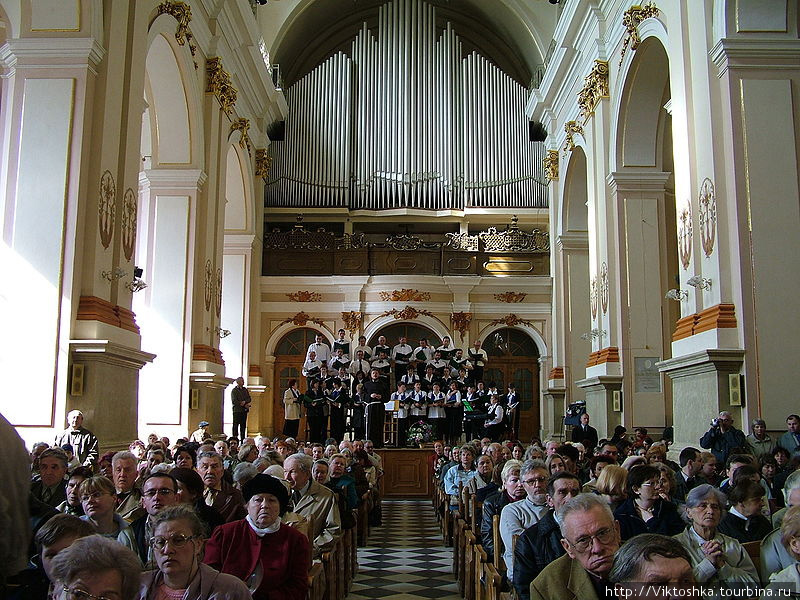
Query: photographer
x,y
723,438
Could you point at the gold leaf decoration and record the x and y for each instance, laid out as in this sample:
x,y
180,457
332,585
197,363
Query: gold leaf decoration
x,y
405,295
510,297
243,125
707,214
107,208
352,321
630,20
129,211
304,296
510,321
572,128
460,322
219,84
595,88
263,163
550,163
409,313
301,319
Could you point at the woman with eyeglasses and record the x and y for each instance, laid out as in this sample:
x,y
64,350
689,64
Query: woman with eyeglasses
x,y
190,491
97,568
645,511
716,558
99,499
177,542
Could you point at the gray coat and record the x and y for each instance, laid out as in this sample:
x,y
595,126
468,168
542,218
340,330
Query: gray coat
x,y
208,584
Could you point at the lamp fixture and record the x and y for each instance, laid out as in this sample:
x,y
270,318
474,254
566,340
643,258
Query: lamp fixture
x,y
593,334
699,282
138,284
677,295
222,333
113,275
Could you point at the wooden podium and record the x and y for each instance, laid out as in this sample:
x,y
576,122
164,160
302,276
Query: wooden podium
x,y
406,472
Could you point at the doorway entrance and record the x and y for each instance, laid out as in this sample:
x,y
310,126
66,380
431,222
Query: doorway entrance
x,y
290,354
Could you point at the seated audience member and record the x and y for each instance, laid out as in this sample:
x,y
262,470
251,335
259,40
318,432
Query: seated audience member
x,y
128,497
51,487
744,521
651,559
789,576
596,466
247,453
511,491
611,484
791,495
759,440
645,511
667,482
96,567
190,491
320,473
270,556
313,501
177,547
340,480
540,544
72,505
516,517
768,467
218,493
244,472
570,456
482,482
691,463
591,539
555,464
185,457
159,491
461,473
98,498
716,558
774,555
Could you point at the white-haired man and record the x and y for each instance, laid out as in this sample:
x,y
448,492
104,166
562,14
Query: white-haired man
x,y
83,442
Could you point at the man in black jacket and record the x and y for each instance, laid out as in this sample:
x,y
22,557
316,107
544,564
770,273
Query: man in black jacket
x,y
540,544
511,491
585,433
377,395
159,491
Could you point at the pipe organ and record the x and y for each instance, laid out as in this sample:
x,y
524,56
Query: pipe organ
x,y
406,121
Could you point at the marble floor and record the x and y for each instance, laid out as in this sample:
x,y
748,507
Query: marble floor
x,y
405,557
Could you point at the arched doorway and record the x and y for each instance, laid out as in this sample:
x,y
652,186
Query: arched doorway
x,y
514,358
290,354
411,331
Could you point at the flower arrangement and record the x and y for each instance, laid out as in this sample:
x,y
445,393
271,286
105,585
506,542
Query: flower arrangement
x,y
419,433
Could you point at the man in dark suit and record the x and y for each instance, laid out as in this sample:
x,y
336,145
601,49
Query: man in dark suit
x,y
585,433
51,487
590,535
377,394
219,494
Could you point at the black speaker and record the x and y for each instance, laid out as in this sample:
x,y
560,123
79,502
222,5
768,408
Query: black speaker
x,y
536,131
277,131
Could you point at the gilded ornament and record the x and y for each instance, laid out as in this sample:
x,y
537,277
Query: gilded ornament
x,y
129,211
460,322
107,208
305,296
243,125
263,163
409,313
462,241
707,214
604,287
631,19
510,297
685,235
209,285
301,319
352,321
595,88
510,321
513,239
218,292
572,128
593,297
405,295
219,84
550,163
183,14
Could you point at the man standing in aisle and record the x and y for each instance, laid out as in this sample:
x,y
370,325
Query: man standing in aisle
x,y
585,433
791,439
241,401
723,437
83,441
377,393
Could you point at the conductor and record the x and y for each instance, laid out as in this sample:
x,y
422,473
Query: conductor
x,y
377,394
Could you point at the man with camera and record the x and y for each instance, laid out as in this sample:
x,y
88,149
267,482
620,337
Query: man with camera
x,y
723,437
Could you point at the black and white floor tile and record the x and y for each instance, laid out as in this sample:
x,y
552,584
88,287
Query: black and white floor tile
x,y
405,558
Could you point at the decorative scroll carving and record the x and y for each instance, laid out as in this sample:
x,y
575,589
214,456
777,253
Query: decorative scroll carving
x,y
460,322
510,321
595,88
352,321
299,238
301,318
218,292
572,128
707,214
183,14
550,163
593,297
604,287
630,20
462,241
243,125
263,163
404,241
304,296
685,235
409,313
219,84
209,284
351,241
107,208
405,295
511,297
129,210
513,239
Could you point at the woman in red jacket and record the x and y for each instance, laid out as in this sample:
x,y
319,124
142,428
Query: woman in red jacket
x,y
270,557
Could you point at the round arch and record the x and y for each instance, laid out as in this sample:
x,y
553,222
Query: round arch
x,y
575,194
239,208
530,331
400,325
431,323
279,332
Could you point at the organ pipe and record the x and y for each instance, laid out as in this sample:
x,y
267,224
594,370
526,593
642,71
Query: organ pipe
x,y
406,120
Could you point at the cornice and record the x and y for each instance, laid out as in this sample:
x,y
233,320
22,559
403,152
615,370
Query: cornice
x,y
49,53
764,54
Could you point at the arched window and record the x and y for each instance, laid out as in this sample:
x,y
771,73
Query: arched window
x,y
296,342
412,333
508,342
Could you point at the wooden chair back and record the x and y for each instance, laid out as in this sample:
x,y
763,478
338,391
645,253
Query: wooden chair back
x,y
497,559
753,550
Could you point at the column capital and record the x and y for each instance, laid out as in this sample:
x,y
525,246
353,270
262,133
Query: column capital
x,y
50,53
110,352
638,181
573,241
172,179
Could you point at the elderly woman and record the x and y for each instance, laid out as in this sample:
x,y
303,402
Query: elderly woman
x,y
178,539
789,577
744,521
271,557
511,491
645,511
611,484
190,491
716,558
483,478
96,567
185,457
99,499
247,453
460,474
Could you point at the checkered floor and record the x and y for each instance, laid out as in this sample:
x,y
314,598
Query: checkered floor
x,y
405,558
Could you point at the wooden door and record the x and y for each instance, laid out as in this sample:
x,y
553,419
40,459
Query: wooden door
x,y
290,354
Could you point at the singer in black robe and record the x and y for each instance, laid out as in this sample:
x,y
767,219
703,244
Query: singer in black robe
x,y
376,391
